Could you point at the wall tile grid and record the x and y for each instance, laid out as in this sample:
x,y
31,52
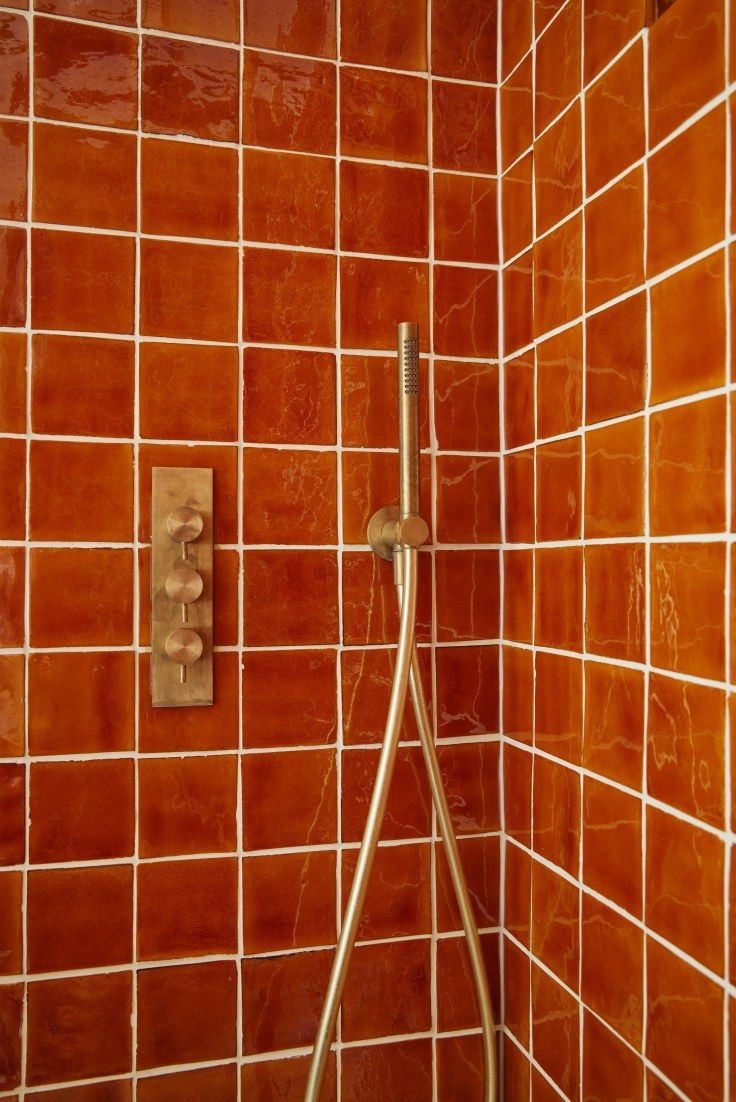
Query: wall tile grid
x,y
209,228
617,379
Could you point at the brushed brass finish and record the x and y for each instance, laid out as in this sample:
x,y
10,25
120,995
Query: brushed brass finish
x,y
408,385
181,587
388,532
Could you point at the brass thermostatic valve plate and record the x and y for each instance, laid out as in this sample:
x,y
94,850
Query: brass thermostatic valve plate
x,y
181,587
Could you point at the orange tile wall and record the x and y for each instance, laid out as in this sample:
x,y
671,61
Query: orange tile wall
x,y
211,219
616,230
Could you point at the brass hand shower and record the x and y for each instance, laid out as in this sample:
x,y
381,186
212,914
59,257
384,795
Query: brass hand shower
x,y
396,534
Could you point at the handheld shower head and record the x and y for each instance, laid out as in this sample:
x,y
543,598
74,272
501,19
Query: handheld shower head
x,y
408,372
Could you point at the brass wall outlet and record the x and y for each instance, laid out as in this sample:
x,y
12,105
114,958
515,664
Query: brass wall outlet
x,y
181,587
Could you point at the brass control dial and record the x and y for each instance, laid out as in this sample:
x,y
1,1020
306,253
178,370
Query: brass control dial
x,y
184,584
184,646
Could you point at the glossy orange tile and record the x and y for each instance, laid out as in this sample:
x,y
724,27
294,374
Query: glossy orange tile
x,y
366,677
555,1032
460,1068
519,409
12,489
382,209
81,810
187,909
607,1060
558,706
518,303
13,382
289,297
518,693
614,722
188,291
614,107
516,32
368,480
467,499
13,64
12,590
312,814
189,88
383,115
614,480
271,580
615,360
517,890
409,808
170,373
218,20
93,1016
366,1071
614,240
81,386
558,277
559,490
105,11
286,1079
466,406
375,295
615,600
456,1002
288,199
467,691
517,777
558,597
306,715
13,251
555,922
370,610
516,207
187,1086
306,27
464,127
397,974
189,190
289,901
687,629
612,826
282,1000
288,396
289,103
11,938
69,55
14,182
691,356
687,468
558,170
607,29
685,63
517,113
84,177
465,311
612,971
464,39
556,814
161,730
81,491
12,694
517,976
104,575
186,1014
186,805
82,282
519,481
467,595
97,718
516,1070
369,402
392,36
12,803
481,865
557,66
687,193
291,496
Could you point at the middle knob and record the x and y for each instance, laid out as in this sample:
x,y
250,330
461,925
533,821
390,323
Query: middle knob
x,y
184,584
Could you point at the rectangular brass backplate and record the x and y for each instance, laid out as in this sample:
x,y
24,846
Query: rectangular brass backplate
x,y
181,605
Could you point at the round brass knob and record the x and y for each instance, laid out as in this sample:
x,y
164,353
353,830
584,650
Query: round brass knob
x,y
184,584
184,646
412,531
184,524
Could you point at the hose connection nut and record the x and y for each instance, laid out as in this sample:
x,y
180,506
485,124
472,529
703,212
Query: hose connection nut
x,y
411,531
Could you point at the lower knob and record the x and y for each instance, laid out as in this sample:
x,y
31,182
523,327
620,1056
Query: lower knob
x,y
184,646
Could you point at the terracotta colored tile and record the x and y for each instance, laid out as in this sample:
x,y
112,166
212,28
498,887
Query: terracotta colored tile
x,y
692,356
11,937
187,909
105,617
217,20
13,276
282,1000
614,717
517,889
685,63
516,984
170,374
516,1070
558,170
614,107
464,127
559,582
82,387
376,295
456,1001
614,240
558,706
470,775
467,691
614,480
223,461
12,382
615,360
11,1022
685,766
519,383
408,813
369,480
14,182
289,103
84,177
517,765
272,578
98,717
14,64
289,901
81,491
189,190
186,1013
465,219
612,825
685,887
285,1080
306,715
289,396
189,88
517,113
82,281
518,303
12,489
687,630
465,406
559,490
289,297
612,972
607,29
555,922
684,1024
481,859
558,277
12,804
369,401
366,679
607,1060
394,220
306,27
687,193
188,291
556,827
12,589
464,39
79,1027
383,115
615,599
555,1032
557,66
70,56
397,975
12,714
79,918
370,609
519,479
81,810
291,497
687,468
218,1083
544,13
467,500
518,693
460,1069
516,32
186,805
403,1068
215,728
516,207
467,595
270,783
392,36
288,199
105,11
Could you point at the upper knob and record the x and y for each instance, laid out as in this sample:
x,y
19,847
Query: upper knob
x,y
184,524
184,584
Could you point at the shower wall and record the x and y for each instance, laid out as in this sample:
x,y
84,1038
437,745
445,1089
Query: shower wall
x,y
211,220
617,567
